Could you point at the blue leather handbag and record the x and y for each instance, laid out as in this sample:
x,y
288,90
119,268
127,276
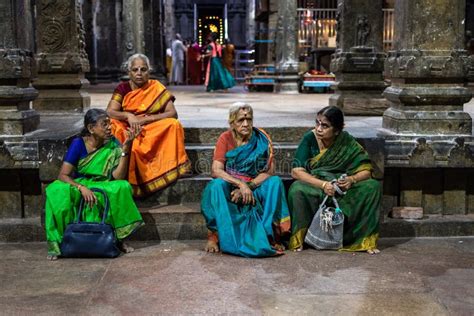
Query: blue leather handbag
x,y
90,240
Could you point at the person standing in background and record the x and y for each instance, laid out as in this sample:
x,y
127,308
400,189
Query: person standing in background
x,y
228,55
178,51
194,64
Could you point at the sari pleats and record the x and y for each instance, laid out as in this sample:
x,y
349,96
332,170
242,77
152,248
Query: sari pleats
x,y
248,230
158,157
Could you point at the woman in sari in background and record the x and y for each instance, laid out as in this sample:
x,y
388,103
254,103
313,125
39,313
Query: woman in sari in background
x,y
158,157
324,154
217,76
194,64
94,160
244,206
228,55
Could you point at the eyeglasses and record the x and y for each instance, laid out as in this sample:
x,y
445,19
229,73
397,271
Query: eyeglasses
x,y
104,124
141,69
322,125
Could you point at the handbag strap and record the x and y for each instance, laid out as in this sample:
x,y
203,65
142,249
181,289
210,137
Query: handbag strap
x,y
106,205
336,204
338,209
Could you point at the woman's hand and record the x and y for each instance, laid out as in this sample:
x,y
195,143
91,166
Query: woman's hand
x,y
131,134
235,196
328,188
134,121
247,194
345,184
88,196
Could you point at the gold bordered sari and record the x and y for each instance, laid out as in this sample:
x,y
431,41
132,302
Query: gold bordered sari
x,y
158,157
360,204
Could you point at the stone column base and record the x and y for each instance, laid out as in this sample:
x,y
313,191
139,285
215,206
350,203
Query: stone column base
x,y
18,122
287,84
61,92
62,100
355,103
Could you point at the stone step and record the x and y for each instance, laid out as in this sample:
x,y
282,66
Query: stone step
x,y
185,190
209,135
172,222
185,222
201,157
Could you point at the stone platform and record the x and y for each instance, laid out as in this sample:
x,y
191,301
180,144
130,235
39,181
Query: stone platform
x,y
422,276
174,212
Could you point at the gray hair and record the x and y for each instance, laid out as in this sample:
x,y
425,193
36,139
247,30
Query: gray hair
x,y
138,56
91,117
236,107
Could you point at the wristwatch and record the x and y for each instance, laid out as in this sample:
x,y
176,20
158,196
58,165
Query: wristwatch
x,y
123,154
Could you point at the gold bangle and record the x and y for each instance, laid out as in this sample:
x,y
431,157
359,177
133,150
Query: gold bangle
x,y
324,184
79,187
354,181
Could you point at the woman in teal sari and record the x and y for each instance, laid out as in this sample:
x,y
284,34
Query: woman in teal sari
x,y
244,206
324,154
94,160
217,76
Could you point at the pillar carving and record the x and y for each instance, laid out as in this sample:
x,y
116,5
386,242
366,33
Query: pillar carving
x,y
425,125
359,61
17,69
61,57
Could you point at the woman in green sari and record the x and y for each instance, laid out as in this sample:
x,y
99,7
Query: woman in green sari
x,y
326,153
94,160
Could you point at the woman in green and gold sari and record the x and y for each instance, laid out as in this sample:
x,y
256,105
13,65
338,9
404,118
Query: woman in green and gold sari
x,y
326,153
94,160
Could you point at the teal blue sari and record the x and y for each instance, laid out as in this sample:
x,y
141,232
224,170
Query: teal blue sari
x,y
248,230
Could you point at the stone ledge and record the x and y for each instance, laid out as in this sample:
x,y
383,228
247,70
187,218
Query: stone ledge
x,y
185,222
430,226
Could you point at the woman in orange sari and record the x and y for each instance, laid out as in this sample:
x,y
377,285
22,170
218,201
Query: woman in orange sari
x,y
158,157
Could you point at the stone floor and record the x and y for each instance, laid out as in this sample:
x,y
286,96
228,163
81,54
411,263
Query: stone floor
x,y
409,277
197,108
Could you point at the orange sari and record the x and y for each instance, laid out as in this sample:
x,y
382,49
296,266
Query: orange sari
x,y
158,157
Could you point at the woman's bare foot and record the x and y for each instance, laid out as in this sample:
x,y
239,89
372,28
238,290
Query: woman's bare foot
x,y
52,257
373,251
298,249
278,247
125,248
211,246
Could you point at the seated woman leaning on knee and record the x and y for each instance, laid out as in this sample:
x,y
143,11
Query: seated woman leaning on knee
x,y
324,154
95,159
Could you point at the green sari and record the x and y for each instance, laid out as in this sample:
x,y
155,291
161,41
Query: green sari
x,y
62,199
360,204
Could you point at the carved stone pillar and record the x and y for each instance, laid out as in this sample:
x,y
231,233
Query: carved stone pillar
x,y
250,30
101,29
286,59
133,29
358,62
169,22
16,69
154,37
61,57
425,125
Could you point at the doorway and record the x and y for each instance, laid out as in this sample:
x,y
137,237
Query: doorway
x,y
210,20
